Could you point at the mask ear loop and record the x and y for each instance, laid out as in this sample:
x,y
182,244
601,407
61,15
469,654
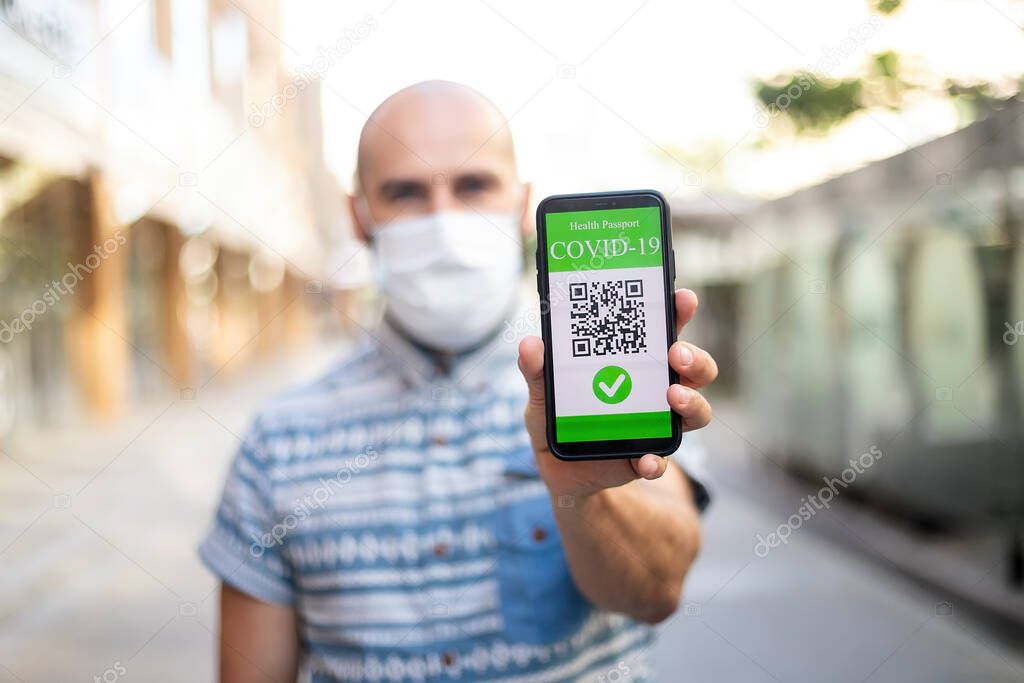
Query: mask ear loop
x,y
370,228
363,210
521,217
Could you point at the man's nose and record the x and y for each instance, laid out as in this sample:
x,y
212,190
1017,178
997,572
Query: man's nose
x,y
442,198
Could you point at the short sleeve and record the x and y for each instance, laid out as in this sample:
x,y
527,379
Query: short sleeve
x,y
692,458
242,548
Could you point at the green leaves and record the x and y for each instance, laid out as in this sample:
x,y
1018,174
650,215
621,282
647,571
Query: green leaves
x,y
886,6
811,103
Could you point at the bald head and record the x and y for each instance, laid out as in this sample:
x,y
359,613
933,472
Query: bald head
x,y
436,146
429,116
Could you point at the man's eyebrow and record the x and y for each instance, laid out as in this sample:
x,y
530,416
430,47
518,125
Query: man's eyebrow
x,y
391,187
481,174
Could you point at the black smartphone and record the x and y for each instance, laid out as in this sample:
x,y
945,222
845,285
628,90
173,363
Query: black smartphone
x,y
605,274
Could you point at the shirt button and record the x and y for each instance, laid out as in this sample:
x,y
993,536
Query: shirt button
x,y
441,549
438,440
448,658
539,534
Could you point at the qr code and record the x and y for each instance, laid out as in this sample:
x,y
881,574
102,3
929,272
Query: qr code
x,y
607,317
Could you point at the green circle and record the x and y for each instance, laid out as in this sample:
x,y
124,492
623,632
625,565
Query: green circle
x,y
612,384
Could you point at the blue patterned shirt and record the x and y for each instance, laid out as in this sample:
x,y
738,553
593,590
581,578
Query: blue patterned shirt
x,y
396,505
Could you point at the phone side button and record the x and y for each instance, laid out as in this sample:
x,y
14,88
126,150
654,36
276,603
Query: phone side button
x,y
538,284
672,267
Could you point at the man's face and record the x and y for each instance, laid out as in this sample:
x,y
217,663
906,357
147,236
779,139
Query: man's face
x,y
430,154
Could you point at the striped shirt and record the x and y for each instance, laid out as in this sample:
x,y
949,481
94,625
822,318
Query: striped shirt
x,y
396,505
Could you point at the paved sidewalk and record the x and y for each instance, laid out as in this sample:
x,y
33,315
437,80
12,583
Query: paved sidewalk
x,y
98,529
97,561
813,610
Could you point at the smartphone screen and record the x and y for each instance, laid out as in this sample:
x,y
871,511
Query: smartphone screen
x,y
607,266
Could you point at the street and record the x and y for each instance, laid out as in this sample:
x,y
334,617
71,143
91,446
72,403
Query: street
x,y
100,582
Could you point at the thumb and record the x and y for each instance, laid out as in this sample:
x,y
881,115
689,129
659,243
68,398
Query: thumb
x,y
531,364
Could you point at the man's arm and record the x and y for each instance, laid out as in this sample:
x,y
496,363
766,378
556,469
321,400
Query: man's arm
x,y
631,531
258,640
629,548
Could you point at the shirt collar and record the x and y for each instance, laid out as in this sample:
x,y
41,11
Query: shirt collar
x,y
469,370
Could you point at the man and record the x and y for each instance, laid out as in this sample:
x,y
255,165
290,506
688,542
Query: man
x,y
399,519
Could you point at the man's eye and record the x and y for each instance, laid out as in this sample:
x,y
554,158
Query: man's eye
x,y
473,185
404,192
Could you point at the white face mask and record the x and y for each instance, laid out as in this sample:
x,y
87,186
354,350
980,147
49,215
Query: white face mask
x,y
449,278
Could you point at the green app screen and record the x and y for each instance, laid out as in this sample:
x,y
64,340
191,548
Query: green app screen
x,y
607,310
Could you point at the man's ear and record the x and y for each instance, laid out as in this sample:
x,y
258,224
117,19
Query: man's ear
x,y
358,218
526,222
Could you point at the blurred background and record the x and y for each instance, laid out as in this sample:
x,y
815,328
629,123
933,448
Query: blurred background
x,y
847,188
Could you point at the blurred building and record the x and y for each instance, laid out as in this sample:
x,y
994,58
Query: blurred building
x,y
164,208
884,309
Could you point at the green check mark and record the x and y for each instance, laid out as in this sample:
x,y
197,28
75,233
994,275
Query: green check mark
x,y
612,384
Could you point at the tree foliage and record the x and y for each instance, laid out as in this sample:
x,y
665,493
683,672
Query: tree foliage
x,y
807,103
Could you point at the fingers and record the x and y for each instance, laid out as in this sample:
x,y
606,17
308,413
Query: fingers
x,y
649,466
686,306
695,366
531,364
690,405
